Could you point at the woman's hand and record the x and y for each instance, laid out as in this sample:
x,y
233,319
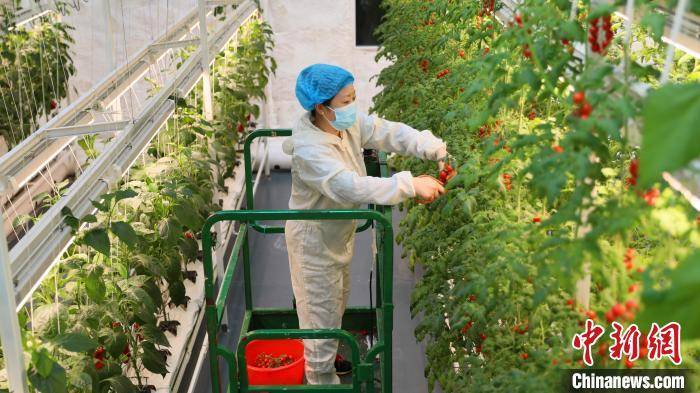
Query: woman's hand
x,y
427,188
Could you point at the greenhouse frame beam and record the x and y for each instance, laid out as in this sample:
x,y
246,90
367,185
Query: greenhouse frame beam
x,y
217,3
27,15
43,245
24,161
85,129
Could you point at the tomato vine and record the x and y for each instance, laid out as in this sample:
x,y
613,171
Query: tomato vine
x,y
542,194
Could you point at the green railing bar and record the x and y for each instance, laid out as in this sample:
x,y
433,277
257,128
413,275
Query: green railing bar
x,y
301,388
250,203
274,310
268,334
245,325
269,215
230,269
230,358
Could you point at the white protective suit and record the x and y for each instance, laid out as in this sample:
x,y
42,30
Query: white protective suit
x,y
328,172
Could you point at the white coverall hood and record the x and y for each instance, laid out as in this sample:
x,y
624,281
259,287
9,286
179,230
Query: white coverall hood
x,y
328,172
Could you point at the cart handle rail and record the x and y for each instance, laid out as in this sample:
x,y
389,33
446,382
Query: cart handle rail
x,y
216,303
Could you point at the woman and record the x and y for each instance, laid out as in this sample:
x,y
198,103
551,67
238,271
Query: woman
x,y
328,172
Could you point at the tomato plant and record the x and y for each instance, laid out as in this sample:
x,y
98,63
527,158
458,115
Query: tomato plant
x,y
102,318
549,192
36,66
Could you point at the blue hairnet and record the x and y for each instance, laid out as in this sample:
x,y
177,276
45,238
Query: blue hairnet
x,y
320,82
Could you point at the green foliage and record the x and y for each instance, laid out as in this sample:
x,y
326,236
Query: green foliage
x,y
124,273
541,192
35,66
670,135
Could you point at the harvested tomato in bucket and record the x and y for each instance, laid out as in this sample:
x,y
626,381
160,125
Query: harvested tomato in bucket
x,y
275,362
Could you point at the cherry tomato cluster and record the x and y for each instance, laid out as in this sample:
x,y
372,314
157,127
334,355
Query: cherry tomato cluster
x,y
634,173
486,129
189,235
519,20
521,329
487,7
443,73
624,311
446,173
568,46
424,65
99,356
584,108
629,259
597,45
650,196
506,181
558,149
265,360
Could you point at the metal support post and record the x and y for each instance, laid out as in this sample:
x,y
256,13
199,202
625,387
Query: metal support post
x,y
206,73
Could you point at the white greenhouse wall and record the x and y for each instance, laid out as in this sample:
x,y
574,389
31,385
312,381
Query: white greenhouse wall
x,y
142,23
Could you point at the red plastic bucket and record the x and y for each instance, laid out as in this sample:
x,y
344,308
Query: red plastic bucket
x,y
291,374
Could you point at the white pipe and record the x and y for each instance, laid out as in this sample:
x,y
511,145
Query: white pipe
x,y
9,325
671,48
207,110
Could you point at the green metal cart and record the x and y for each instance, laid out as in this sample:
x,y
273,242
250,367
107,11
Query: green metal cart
x,y
268,323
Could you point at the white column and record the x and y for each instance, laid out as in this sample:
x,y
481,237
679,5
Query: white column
x,y
9,324
109,35
204,46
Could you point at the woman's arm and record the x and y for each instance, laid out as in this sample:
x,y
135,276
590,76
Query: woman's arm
x,y
396,137
320,169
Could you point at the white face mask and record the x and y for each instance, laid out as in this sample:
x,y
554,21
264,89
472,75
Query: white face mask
x,y
345,116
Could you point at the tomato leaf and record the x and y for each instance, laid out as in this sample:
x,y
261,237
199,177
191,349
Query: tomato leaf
x,y
152,359
677,303
98,239
125,233
53,382
188,216
95,286
124,194
75,342
655,22
119,384
670,134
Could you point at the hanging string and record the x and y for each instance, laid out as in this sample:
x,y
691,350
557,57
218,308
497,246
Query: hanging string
x,y
9,118
56,303
12,225
18,111
14,209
